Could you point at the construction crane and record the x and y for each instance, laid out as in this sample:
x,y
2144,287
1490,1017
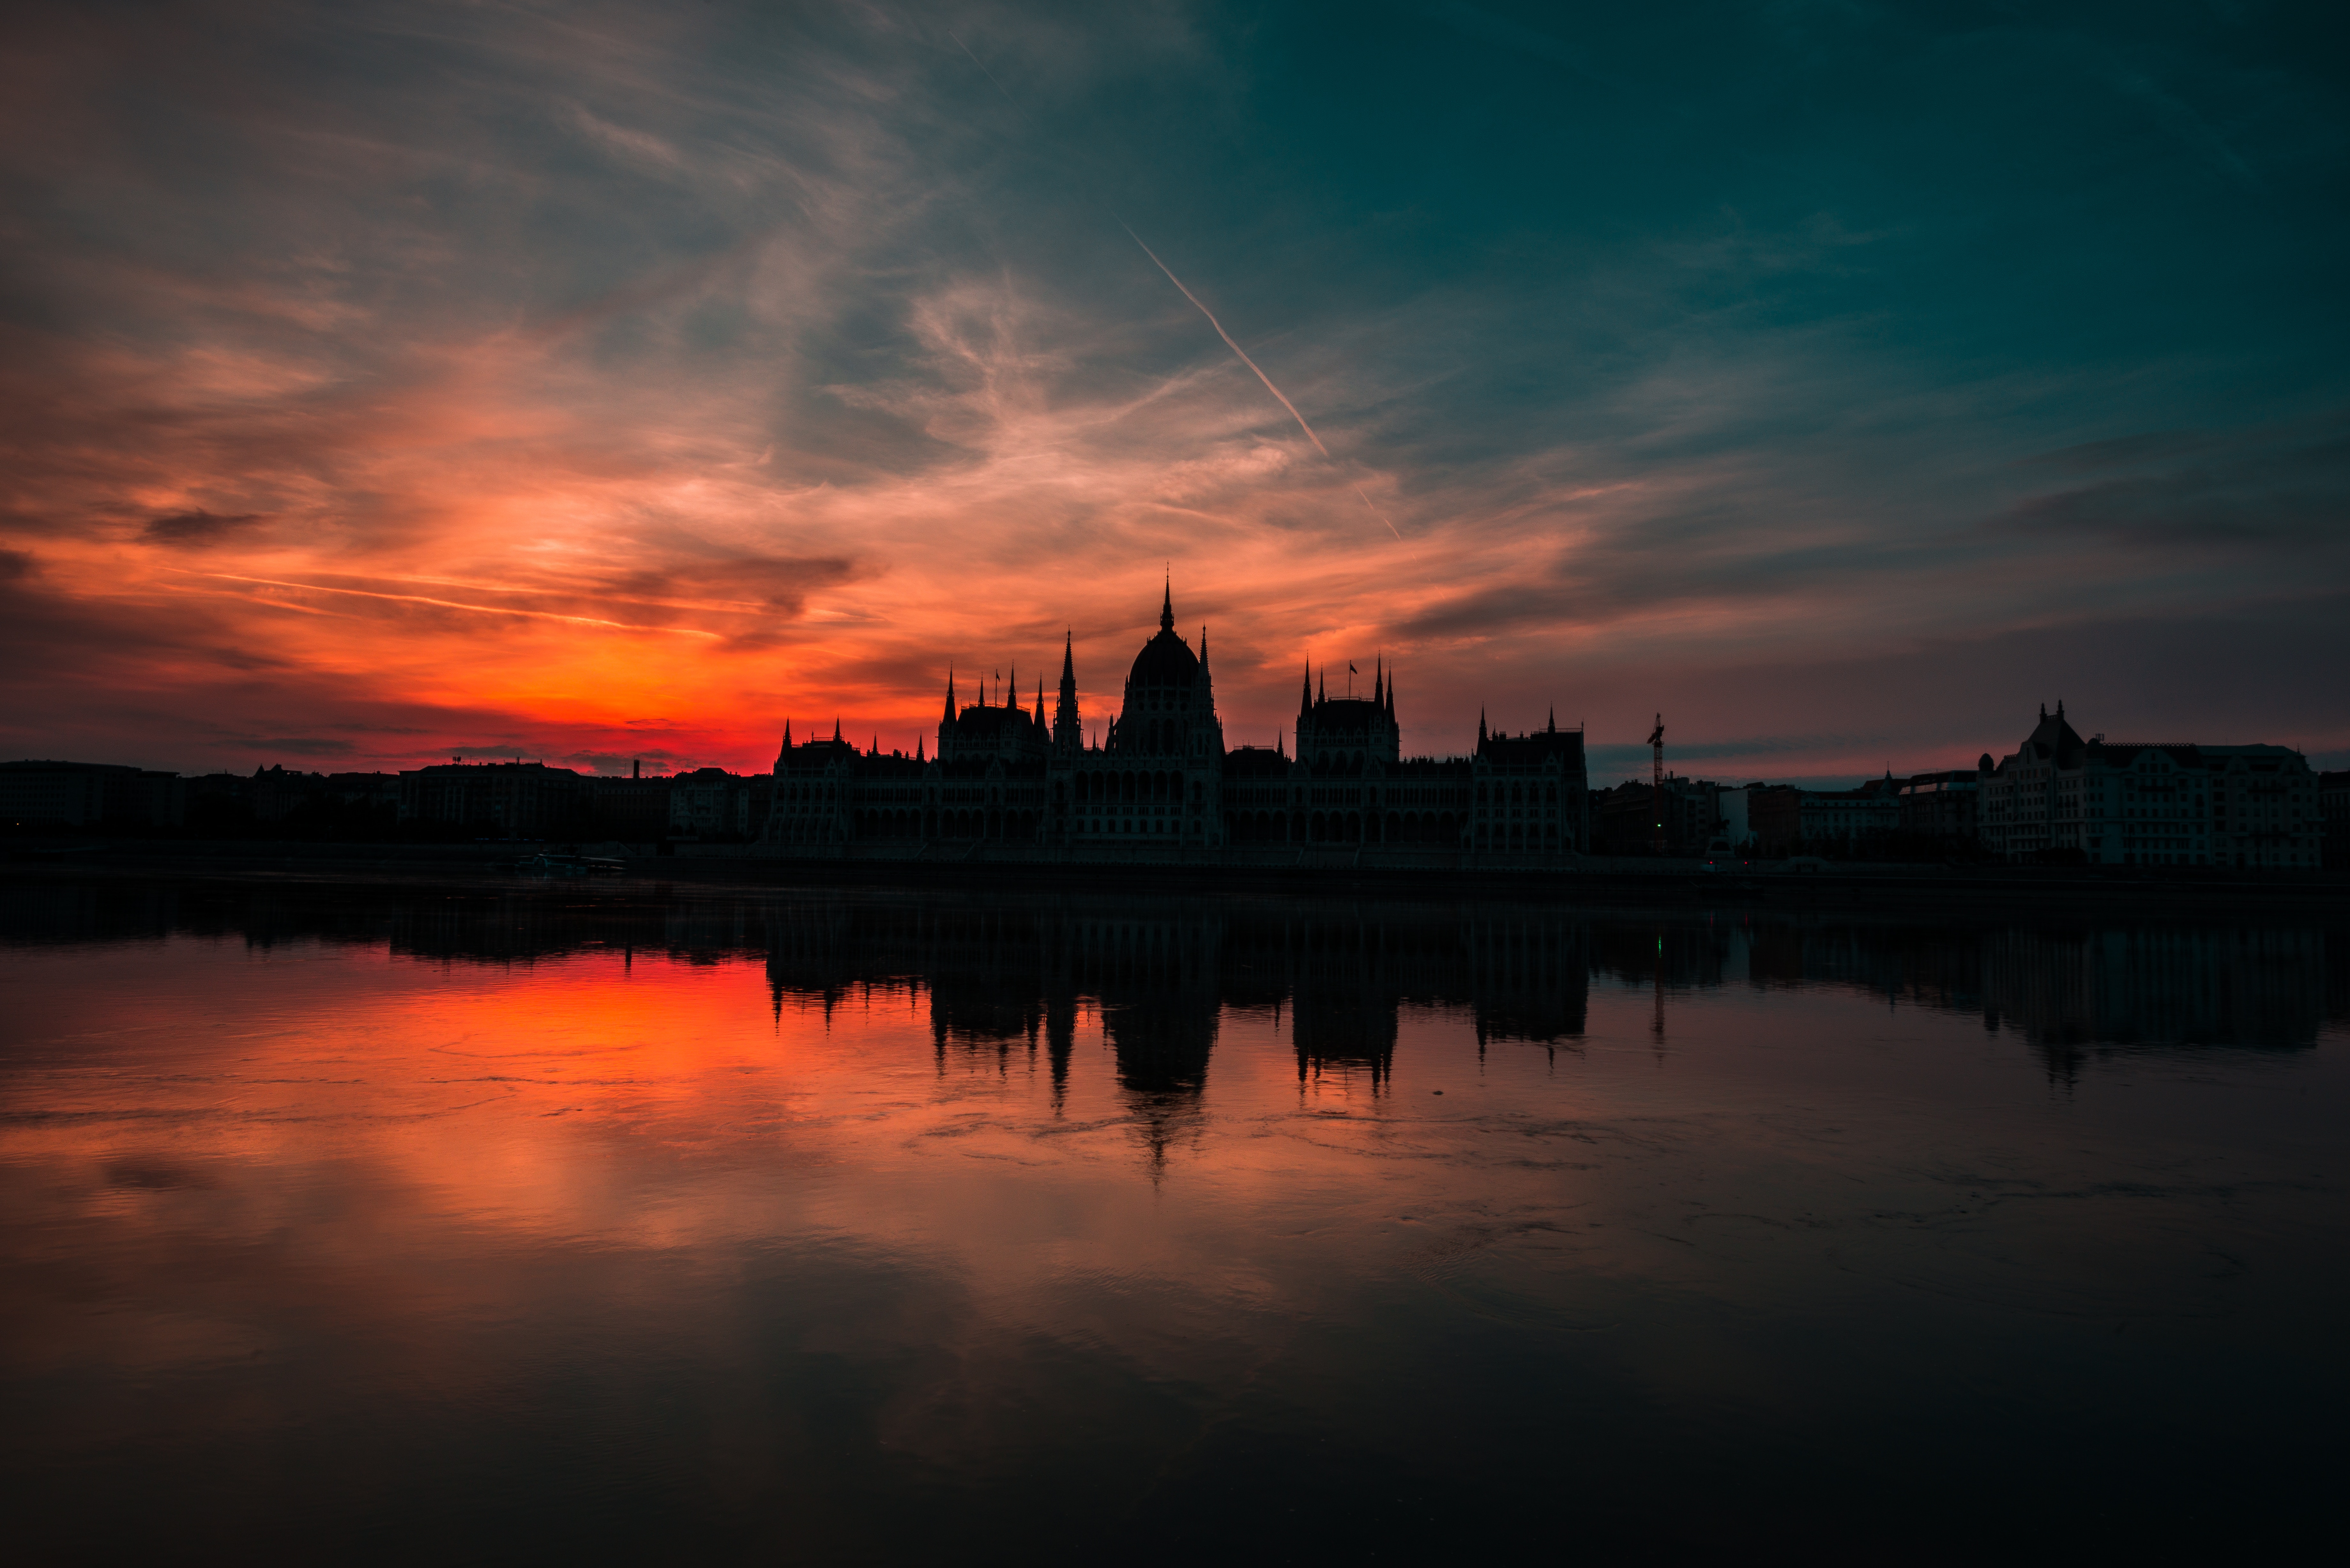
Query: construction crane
x,y
1657,743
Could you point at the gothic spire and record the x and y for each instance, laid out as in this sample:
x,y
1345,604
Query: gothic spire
x,y
1040,704
1380,682
1167,605
950,693
1481,729
1305,691
1068,728
1554,720
836,727
917,748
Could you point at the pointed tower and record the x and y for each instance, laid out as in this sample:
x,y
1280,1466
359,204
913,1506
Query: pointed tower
x,y
949,713
1481,729
1207,727
1380,682
1167,605
836,730
1068,729
1040,704
1305,691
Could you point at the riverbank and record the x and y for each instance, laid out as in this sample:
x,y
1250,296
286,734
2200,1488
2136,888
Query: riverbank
x,y
1582,879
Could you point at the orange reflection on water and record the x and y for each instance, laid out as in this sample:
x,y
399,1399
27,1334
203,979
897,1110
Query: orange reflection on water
x,y
252,1191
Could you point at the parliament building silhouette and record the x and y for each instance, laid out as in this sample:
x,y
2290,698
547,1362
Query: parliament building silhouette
x,y
1162,780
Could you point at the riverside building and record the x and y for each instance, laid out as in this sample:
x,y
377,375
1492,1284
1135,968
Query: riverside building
x,y
2058,796
1161,778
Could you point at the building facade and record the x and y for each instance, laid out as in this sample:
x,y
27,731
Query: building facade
x,y
511,800
1942,805
2333,814
1695,815
709,805
1161,776
90,795
633,808
2060,797
1788,819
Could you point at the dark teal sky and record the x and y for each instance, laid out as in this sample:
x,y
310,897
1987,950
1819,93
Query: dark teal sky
x,y
1843,379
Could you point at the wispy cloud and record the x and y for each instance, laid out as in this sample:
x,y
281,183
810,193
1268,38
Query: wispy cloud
x,y
467,373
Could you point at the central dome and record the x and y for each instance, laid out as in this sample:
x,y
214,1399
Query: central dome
x,y
1166,659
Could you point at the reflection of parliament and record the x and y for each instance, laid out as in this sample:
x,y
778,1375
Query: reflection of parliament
x,y
1160,782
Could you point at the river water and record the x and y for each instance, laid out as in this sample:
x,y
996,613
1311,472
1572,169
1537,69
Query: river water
x,y
471,1222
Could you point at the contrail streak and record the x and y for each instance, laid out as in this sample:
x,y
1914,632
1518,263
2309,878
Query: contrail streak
x,y
1380,514
988,73
1231,344
1203,310
452,604
1249,362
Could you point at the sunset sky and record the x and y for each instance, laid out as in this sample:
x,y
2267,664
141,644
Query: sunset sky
x,y
388,382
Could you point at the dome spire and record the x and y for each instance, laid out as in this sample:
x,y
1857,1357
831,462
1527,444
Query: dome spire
x,y
1068,729
1167,605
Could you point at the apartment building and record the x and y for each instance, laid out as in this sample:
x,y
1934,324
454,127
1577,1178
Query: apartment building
x,y
2058,796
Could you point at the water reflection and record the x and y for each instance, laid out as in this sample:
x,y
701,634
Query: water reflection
x,y
1010,971
868,1226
